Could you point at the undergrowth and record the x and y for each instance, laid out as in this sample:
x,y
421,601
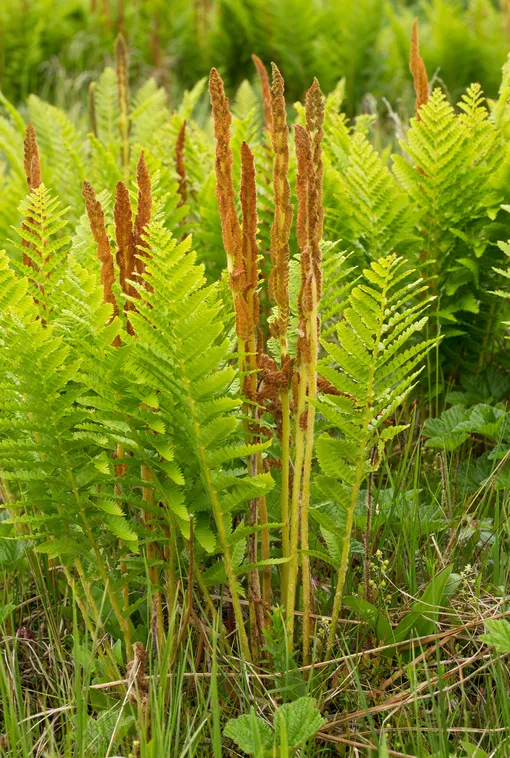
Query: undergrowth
x,y
254,429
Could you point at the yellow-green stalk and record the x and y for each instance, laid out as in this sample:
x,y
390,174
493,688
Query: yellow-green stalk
x,y
309,233
279,289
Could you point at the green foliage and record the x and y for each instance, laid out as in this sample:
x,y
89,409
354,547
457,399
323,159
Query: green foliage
x,y
373,365
497,635
293,724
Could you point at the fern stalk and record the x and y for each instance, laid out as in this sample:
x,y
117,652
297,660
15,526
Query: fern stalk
x,y
309,233
141,251
279,289
242,265
244,288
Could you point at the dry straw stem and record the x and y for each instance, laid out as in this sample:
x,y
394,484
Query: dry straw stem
x,y
309,233
418,70
225,193
104,253
143,213
266,91
122,69
279,283
180,165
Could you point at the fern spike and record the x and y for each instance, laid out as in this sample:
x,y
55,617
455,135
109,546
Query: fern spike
x,y
143,213
309,233
244,285
125,254
418,70
180,166
266,91
32,166
225,193
122,71
104,253
31,161
279,284
242,265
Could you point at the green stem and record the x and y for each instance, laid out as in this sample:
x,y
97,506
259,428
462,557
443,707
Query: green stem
x,y
284,494
294,506
307,470
359,475
220,526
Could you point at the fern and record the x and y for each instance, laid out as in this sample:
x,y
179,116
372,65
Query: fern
x,y
450,180
181,354
373,365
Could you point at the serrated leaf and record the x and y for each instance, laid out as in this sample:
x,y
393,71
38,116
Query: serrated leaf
x,y
53,548
302,721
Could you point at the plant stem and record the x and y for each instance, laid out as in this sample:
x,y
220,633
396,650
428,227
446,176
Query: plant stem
x,y
295,503
284,493
358,478
265,547
148,496
307,470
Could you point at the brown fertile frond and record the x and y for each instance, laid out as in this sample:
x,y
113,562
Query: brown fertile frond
x,y
304,177
418,70
31,162
143,212
32,166
125,241
104,253
122,69
249,211
283,211
314,124
180,165
266,92
225,193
